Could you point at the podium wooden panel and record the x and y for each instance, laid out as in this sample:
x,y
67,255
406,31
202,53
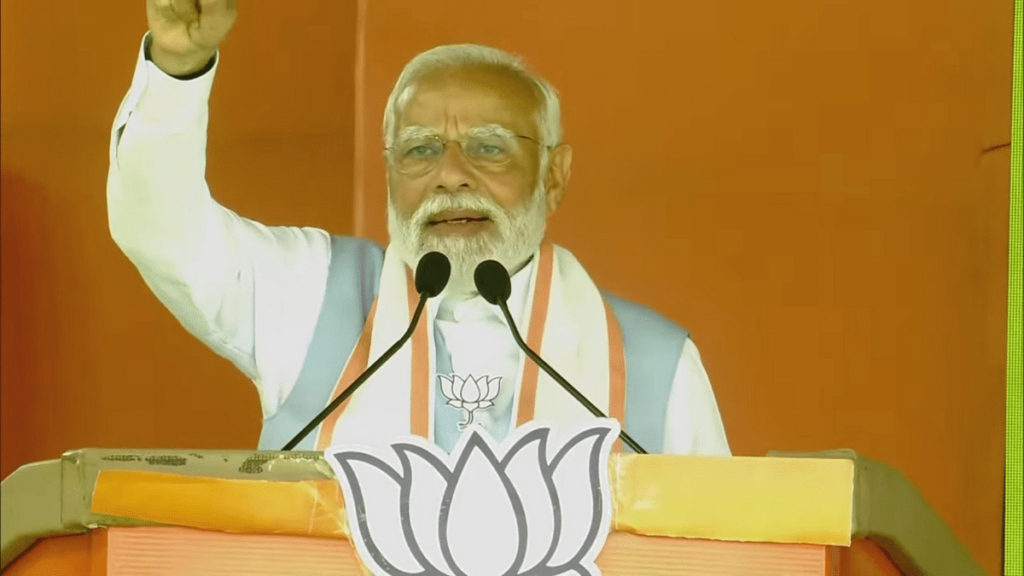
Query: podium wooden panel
x,y
833,513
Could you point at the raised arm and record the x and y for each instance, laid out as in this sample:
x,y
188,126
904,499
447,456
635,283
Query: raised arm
x,y
251,293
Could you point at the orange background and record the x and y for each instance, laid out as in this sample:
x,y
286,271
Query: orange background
x,y
818,191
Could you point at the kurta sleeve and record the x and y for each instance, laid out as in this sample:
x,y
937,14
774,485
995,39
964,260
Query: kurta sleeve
x,y
251,293
693,424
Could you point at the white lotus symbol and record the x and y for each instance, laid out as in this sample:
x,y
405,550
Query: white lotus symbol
x,y
469,393
481,511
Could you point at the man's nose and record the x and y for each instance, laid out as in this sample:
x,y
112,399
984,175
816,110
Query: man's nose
x,y
454,172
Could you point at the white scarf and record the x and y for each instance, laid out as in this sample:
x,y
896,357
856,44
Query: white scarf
x,y
580,339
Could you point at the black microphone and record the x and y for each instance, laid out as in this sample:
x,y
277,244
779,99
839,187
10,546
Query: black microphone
x,y
494,284
432,275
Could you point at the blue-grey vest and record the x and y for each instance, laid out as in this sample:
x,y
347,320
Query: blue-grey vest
x,y
652,345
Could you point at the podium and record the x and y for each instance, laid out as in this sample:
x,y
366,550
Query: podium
x,y
174,512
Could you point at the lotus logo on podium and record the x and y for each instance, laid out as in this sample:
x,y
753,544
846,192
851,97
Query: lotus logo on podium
x,y
522,508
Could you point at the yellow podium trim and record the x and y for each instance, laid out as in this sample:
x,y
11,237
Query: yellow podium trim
x,y
306,508
786,500
738,499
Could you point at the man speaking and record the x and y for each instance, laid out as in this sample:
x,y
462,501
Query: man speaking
x,y
475,167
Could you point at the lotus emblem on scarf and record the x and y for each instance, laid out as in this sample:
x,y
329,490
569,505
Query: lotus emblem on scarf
x,y
523,508
469,393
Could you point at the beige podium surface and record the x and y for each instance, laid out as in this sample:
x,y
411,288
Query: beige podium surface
x,y
104,512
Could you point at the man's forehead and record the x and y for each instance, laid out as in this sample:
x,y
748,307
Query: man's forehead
x,y
470,97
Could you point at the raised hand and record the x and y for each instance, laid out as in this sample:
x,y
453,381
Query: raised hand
x,y
185,34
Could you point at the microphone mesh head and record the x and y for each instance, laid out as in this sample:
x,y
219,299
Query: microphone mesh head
x,y
492,281
432,274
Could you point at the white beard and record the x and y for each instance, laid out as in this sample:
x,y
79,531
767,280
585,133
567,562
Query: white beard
x,y
519,234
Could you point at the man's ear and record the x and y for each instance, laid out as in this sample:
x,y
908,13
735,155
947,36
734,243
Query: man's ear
x,y
557,178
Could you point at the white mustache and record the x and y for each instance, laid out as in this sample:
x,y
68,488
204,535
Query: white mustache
x,y
465,201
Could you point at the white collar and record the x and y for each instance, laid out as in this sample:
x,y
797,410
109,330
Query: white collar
x,y
451,308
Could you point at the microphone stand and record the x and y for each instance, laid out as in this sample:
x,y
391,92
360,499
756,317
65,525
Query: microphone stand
x,y
361,379
503,304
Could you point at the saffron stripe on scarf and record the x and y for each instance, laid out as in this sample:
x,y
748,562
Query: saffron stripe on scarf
x,y
616,373
355,366
535,336
419,408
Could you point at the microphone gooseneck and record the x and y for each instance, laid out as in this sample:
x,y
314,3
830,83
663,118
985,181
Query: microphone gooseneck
x,y
495,286
432,274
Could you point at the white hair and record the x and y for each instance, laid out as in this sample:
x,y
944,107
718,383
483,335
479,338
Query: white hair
x,y
549,115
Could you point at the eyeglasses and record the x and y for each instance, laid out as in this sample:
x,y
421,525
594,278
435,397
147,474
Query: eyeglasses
x,y
419,155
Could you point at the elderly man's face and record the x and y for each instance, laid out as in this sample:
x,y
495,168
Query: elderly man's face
x,y
477,203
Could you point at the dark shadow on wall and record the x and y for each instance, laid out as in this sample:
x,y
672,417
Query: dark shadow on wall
x,y
24,241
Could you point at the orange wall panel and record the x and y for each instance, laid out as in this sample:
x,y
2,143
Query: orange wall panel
x,y
89,356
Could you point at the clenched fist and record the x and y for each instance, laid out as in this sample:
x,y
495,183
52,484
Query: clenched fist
x,y
185,34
